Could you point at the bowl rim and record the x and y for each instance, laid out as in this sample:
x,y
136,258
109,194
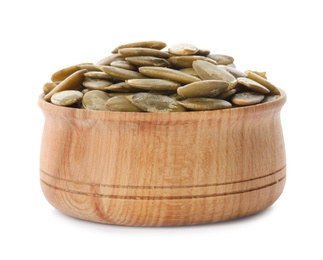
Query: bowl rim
x,y
267,107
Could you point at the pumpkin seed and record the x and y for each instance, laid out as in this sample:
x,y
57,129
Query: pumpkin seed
x,y
200,104
235,73
95,100
48,87
226,94
130,52
109,59
207,71
205,88
142,77
64,73
153,84
123,64
121,87
221,59
66,97
247,98
140,61
120,73
183,49
72,82
121,104
144,44
190,71
253,85
180,62
96,84
263,81
155,103
170,74
97,75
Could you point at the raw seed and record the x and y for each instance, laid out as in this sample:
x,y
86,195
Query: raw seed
x,y
253,85
190,71
66,97
96,84
205,88
140,61
72,82
121,73
123,64
170,74
121,104
235,73
155,103
153,84
221,59
180,62
121,87
207,70
64,73
183,49
130,52
97,75
109,59
247,98
200,104
263,81
144,77
95,100
48,87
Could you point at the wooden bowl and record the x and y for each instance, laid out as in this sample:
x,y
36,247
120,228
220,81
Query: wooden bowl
x,y
162,169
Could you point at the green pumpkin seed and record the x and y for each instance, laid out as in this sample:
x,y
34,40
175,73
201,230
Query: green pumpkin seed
x,y
130,52
263,81
180,62
72,82
235,73
64,73
97,75
123,64
153,84
189,71
203,52
48,87
205,88
121,87
66,97
140,61
260,73
247,98
155,103
183,49
96,84
88,66
95,100
253,85
200,104
144,44
121,104
207,71
221,59
120,73
170,74
109,59
227,94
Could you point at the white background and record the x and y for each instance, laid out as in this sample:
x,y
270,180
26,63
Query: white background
x,y
283,38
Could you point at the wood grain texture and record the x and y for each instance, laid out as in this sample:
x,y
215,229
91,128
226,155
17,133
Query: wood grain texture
x,y
161,169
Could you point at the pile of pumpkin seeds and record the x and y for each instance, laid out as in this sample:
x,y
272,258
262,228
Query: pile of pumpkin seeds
x,y
146,77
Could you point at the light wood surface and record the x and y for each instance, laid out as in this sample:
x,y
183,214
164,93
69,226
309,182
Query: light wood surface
x,y
160,169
